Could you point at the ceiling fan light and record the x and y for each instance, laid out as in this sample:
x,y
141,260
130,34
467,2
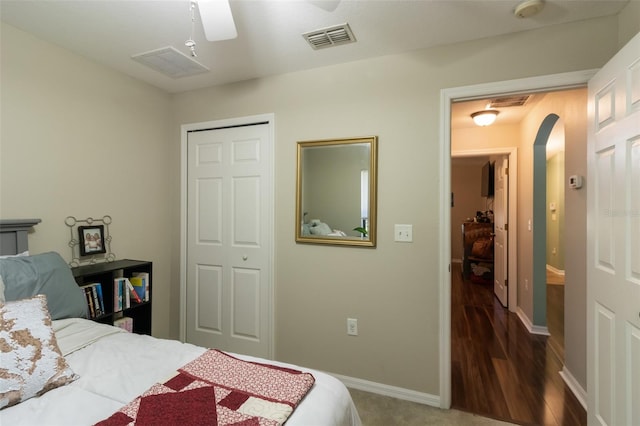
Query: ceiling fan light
x,y
485,117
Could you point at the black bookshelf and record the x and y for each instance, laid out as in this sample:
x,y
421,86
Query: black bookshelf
x,y
105,273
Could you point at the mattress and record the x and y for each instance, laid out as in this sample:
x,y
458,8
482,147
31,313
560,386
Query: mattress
x,y
115,367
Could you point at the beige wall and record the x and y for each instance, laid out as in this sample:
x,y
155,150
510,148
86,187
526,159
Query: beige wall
x,y
555,218
58,106
80,140
570,106
392,290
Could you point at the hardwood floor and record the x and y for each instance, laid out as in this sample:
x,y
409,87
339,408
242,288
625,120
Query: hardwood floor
x,y
498,368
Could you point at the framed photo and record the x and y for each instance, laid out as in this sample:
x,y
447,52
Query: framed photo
x,y
91,240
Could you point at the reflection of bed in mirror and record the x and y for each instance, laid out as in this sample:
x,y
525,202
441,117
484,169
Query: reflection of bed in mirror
x,y
336,191
317,227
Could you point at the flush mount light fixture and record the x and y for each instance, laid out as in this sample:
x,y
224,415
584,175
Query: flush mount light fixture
x,y
485,117
528,8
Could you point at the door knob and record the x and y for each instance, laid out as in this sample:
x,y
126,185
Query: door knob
x,y
245,257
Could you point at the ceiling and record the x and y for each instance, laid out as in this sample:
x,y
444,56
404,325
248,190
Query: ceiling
x,y
270,32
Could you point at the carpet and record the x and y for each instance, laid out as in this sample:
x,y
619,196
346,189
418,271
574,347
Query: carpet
x,y
379,410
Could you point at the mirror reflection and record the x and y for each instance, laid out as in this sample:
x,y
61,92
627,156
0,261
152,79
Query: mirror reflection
x,y
336,192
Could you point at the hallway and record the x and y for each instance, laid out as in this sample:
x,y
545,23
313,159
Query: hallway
x,y
498,368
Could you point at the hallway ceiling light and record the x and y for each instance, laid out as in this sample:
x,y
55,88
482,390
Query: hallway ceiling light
x,y
485,117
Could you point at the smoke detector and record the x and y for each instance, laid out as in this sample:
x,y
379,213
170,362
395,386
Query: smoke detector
x,y
528,8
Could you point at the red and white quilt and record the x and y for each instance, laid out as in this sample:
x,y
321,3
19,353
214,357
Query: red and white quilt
x,y
218,389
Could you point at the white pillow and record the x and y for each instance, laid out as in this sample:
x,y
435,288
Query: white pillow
x,y
30,360
24,253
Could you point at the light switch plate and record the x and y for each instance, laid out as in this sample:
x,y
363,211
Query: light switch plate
x,y
403,233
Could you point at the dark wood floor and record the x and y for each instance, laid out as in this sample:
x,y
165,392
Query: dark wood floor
x,y
498,368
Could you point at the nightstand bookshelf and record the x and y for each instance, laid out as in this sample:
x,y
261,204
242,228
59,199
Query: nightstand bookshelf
x,y
105,273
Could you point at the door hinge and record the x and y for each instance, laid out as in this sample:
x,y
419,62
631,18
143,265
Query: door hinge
x,y
506,283
506,171
506,226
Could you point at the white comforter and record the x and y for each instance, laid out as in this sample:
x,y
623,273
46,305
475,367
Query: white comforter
x,y
115,367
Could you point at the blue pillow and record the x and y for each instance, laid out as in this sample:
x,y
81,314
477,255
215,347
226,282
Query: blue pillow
x,y
48,274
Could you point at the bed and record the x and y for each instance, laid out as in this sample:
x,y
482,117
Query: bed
x,y
105,375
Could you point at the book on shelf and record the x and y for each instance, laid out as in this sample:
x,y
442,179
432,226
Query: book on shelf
x,y
125,323
140,281
126,295
118,294
132,291
95,302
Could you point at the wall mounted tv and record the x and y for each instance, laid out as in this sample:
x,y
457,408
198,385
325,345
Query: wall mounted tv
x,y
486,188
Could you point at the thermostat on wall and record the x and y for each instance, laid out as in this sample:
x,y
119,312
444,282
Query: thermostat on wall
x,y
575,181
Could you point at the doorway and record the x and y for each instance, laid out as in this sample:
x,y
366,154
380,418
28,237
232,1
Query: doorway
x,y
530,85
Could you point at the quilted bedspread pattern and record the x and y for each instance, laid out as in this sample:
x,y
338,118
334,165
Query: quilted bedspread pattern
x,y
218,389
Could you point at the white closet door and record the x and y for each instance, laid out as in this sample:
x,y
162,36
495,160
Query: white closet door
x,y
228,239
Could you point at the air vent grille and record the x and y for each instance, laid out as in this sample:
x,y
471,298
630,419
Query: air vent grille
x,y
328,37
170,62
511,101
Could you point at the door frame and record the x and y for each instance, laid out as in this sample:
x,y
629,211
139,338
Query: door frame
x,y
268,119
512,220
544,83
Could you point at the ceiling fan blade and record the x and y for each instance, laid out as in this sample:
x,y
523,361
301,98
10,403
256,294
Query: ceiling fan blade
x,y
217,20
328,5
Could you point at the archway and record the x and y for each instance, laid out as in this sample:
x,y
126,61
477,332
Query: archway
x,y
540,220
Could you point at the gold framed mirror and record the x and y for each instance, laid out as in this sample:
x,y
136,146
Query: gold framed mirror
x,y
336,191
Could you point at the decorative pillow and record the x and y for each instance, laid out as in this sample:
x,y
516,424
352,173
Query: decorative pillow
x,y
47,274
30,360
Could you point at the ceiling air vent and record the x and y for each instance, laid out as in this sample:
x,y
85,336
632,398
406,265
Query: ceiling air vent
x,y
511,101
170,62
328,37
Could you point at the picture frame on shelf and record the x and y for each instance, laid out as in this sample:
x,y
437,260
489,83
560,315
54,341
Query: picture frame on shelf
x,y
91,240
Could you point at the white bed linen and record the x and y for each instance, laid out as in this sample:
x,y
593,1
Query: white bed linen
x,y
115,367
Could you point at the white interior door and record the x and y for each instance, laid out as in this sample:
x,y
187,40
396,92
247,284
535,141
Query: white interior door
x,y
613,236
228,260
500,241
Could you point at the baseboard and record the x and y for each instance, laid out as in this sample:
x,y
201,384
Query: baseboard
x,y
387,390
533,329
555,270
576,388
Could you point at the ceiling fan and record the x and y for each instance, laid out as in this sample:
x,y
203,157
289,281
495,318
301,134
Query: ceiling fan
x,y
217,20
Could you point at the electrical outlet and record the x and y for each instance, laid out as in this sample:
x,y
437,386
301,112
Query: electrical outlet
x,y
352,326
